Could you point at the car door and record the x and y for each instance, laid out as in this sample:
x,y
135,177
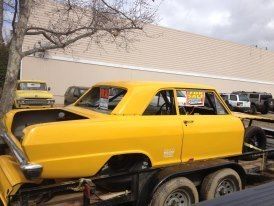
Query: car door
x,y
209,130
162,128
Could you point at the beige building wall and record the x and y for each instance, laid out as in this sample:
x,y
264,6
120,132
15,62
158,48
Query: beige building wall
x,y
161,54
61,74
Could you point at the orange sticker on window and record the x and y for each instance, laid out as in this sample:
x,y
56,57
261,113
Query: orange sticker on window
x,y
195,98
104,93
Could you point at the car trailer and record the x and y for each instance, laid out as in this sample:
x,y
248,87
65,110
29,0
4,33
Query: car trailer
x,y
154,183
144,185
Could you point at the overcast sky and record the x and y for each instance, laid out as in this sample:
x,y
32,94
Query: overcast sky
x,y
249,22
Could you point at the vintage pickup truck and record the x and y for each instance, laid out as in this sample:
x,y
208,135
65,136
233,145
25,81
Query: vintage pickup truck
x,y
33,93
117,126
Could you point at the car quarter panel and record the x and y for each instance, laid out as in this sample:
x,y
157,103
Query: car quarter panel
x,y
80,148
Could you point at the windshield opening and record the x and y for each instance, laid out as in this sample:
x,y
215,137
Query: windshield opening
x,y
82,90
32,86
102,99
243,97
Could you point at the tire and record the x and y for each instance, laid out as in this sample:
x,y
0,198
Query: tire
x,y
220,183
253,109
256,137
178,190
265,109
121,183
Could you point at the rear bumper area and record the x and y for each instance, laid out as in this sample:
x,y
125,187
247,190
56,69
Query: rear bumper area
x,y
11,178
30,170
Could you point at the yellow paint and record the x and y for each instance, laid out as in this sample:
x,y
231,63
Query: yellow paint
x,y
80,148
11,178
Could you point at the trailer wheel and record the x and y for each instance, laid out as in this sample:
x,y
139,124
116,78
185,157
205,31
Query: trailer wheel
x,y
220,183
265,108
178,191
256,137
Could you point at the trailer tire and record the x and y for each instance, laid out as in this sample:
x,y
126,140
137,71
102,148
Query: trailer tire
x,y
265,108
256,137
175,191
220,183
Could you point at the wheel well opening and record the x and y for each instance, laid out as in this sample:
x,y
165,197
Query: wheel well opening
x,y
125,161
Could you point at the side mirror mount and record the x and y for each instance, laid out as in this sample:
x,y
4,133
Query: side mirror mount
x,y
49,88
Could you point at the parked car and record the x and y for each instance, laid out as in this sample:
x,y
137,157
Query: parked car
x,y
32,93
271,105
260,101
237,102
116,127
73,93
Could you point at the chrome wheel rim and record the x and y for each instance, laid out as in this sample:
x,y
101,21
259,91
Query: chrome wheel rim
x,y
178,197
225,187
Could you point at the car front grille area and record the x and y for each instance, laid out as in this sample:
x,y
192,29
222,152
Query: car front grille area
x,y
35,102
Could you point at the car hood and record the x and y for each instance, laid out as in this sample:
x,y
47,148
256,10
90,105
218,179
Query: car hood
x,y
33,94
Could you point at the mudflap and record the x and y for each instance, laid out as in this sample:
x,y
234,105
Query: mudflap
x,y
11,178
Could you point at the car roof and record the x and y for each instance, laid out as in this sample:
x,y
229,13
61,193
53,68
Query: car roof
x,y
154,84
247,92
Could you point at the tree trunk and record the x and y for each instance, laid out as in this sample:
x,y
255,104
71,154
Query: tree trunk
x,y
13,69
1,21
15,56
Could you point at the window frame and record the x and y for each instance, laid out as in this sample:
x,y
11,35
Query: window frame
x,y
220,99
175,102
233,96
103,85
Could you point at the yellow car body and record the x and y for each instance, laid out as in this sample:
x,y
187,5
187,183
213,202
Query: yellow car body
x,y
81,147
28,97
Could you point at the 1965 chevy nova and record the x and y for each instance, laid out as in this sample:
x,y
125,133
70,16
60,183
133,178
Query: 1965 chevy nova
x,y
117,126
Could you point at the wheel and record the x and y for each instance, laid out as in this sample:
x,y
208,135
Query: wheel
x,y
265,109
253,109
120,164
256,137
179,191
220,183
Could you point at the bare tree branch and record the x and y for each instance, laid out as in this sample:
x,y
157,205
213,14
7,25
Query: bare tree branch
x,y
56,46
74,20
